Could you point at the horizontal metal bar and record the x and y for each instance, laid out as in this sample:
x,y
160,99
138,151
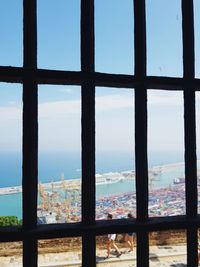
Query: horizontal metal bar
x,y
99,228
11,74
15,75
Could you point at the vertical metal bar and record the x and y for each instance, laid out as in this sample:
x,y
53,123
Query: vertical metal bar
x,y
190,153
190,173
190,129
192,252
188,39
30,132
141,131
88,132
87,35
141,173
140,38
30,34
142,257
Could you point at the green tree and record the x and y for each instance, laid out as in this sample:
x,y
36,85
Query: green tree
x,y
9,221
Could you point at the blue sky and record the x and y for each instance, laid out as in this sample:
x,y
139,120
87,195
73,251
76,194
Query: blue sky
x,y
164,47
59,48
11,13
59,35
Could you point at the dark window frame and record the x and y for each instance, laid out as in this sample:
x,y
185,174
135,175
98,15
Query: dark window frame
x,y
30,76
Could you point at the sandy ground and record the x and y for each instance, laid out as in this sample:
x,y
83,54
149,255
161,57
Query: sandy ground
x,y
173,256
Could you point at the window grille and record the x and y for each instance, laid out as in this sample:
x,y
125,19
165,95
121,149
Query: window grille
x,y
30,76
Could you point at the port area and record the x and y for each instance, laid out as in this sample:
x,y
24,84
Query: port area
x,y
10,190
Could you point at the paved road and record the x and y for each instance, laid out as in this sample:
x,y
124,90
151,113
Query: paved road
x,y
165,256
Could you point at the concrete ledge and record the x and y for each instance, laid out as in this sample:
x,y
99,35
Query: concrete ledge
x,y
123,258
110,260
61,264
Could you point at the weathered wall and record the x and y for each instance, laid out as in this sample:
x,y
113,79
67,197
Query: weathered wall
x,y
155,238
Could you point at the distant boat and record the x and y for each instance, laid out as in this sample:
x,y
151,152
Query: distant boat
x,y
180,180
108,178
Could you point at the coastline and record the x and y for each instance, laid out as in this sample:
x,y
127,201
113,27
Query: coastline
x,y
74,183
10,190
60,201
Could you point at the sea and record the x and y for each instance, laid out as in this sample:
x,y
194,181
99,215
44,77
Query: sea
x,y
53,165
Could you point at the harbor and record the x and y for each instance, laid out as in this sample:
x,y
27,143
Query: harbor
x,y
60,201
64,204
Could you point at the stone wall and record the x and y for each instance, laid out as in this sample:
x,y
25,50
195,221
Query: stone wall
x,y
155,238
167,237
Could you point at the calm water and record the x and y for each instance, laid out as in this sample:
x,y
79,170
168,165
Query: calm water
x,y
52,165
12,204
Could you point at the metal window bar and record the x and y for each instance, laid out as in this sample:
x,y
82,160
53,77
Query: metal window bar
x,y
190,129
88,132
30,76
56,77
141,165
30,132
